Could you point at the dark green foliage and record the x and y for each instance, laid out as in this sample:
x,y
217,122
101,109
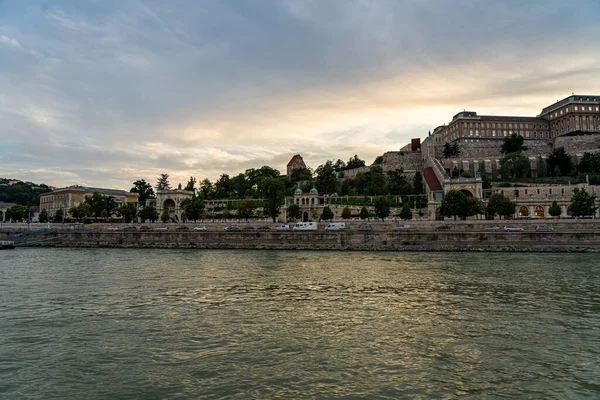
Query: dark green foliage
x,y
382,207
23,193
582,203
191,185
128,211
148,213
207,190
143,189
397,183
100,205
590,163
451,150
239,185
346,213
371,182
294,212
454,204
405,212
43,217
514,165
273,192
327,214
355,162
17,213
163,182
326,181
246,209
223,187
555,209
559,163
58,216
513,144
378,160
165,217
418,183
193,207
500,205
364,213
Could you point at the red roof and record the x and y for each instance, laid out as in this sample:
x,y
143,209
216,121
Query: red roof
x,y
432,180
293,160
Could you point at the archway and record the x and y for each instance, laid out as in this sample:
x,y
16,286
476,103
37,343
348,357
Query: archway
x,y
438,214
169,206
305,216
523,211
466,192
539,211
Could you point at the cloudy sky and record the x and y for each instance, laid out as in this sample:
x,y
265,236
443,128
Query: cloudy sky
x,y
101,92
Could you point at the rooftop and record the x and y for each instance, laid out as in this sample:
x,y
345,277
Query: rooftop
x,y
574,98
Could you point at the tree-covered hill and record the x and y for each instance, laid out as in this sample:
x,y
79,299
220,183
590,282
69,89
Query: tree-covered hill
x,y
25,193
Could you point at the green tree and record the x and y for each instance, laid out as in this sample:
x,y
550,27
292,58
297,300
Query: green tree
x,y
163,182
475,206
555,209
454,204
514,165
364,213
81,211
165,217
17,213
148,213
371,182
100,205
43,217
355,162
128,211
191,185
590,163
346,213
559,163
418,183
58,216
451,150
327,214
239,185
207,190
500,205
582,203
223,187
405,212
339,166
193,207
143,189
326,181
246,209
513,144
382,207
273,192
294,212
397,183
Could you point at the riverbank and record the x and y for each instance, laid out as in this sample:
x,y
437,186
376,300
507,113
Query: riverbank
x,y
564,241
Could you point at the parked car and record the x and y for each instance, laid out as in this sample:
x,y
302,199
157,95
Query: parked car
x,y
442,228
335,226
248,228
130,228
401,227
182,228
113,228
263,228
365,228
145,228
305,226
511,228
543,228
161,228
200,228
282,227
232,228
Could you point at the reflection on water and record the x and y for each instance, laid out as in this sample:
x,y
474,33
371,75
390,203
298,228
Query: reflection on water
x,y
273,324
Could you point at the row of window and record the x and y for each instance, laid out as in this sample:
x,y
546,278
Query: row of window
x,y
575,108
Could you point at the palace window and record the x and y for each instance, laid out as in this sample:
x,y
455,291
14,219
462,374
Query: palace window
x,y
539,211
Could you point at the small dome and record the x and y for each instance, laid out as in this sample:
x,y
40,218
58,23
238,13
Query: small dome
x,y
298,191
313,191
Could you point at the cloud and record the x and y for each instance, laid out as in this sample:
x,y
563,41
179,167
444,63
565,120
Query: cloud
x,y
129,90
10,42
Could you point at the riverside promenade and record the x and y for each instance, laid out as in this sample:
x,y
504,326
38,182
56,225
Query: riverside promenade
x,y
567,236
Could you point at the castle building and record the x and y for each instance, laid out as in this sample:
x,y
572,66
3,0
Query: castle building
x,y
295,163
576,113
65,198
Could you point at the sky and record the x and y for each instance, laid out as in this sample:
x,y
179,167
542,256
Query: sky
x,y
106,92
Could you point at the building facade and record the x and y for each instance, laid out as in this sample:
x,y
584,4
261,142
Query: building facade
x,y
296,162
65,198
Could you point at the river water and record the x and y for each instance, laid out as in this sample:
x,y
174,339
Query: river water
x,y
189,324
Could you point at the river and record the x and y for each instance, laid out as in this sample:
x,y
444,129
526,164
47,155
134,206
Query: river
x,y
210,324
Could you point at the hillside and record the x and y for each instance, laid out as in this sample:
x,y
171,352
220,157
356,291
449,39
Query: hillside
x,y
19,192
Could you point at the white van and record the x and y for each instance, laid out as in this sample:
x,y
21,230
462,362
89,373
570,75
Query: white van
x,y
335,226
305,226
282,227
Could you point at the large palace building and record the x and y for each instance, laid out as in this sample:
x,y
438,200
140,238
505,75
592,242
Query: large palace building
x,y
576,113
65,198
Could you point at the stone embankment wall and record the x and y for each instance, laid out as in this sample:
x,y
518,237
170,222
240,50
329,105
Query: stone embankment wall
x,y
461,237
410,162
